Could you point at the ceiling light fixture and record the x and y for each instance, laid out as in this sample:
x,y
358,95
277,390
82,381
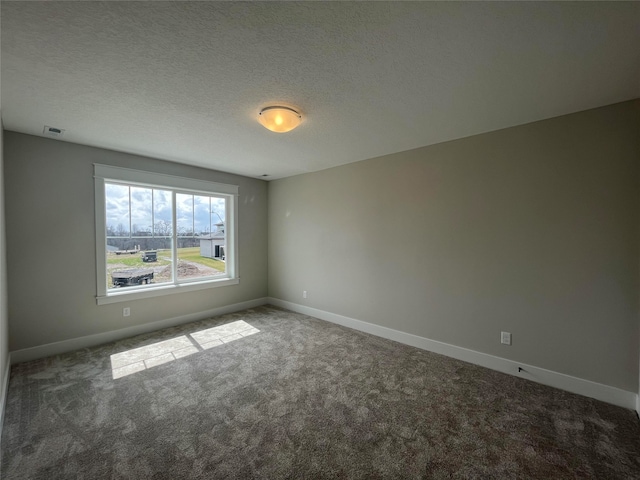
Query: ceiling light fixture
x,y
279,119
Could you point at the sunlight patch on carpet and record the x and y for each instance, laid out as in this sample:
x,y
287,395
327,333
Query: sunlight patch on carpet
x,y
149,356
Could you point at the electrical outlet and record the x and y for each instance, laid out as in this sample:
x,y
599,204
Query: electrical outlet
x,y
304,294
126,311
505,338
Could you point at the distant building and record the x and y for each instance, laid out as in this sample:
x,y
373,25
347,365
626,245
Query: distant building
x,y
212,246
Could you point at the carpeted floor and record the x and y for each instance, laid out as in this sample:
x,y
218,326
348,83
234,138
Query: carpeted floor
x,y
269,394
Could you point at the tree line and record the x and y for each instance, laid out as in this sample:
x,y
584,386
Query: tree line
x,y
150,239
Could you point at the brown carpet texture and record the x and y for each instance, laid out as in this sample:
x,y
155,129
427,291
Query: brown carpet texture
x,y
269,394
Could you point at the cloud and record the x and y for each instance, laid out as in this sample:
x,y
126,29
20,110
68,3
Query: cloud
x,y
149,206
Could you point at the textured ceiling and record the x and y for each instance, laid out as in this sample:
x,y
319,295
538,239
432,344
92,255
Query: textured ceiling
x,y
184,81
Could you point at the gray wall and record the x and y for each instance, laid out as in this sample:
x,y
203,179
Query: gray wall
x,y
531,230
51,243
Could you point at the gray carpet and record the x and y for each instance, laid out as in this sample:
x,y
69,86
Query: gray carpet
x,y
274,394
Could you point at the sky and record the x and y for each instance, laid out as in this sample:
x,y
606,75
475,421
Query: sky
x,y
197,213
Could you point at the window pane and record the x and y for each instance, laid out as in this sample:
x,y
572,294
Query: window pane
x,y
201,214
203,255
184,215
141,212
162,213
117,210
135,268
218,210
145,257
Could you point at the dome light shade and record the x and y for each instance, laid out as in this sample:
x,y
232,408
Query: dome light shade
x,y
279,119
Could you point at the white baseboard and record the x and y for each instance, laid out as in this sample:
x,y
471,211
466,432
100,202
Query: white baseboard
x,y
41,351
4,391
577,385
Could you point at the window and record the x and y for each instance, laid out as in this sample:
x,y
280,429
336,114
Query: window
x,y
158,234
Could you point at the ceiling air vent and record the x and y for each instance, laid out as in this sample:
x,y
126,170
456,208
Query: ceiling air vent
x,y
52,131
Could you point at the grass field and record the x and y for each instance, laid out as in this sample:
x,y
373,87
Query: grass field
x,y
193,255
135,261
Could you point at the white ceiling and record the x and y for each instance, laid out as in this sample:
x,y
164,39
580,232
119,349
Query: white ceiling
x,y
184,81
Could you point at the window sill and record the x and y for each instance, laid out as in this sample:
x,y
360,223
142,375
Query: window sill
x,y
126,295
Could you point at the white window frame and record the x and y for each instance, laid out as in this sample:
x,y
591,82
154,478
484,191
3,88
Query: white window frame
x,y
106,173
